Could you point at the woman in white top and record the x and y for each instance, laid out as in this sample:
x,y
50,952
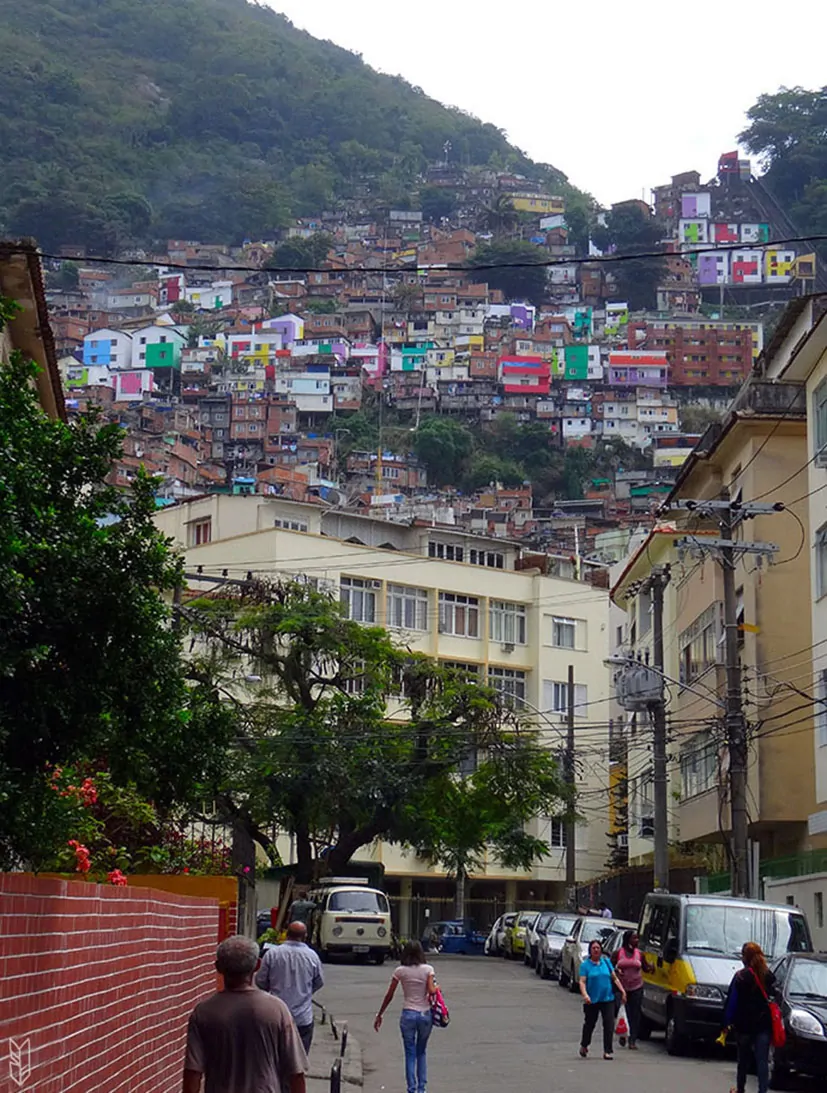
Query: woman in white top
x,y
418,987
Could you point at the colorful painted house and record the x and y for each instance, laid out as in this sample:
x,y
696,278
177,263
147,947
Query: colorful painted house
x,y
525,375
638,368
778,266
577,362
746,267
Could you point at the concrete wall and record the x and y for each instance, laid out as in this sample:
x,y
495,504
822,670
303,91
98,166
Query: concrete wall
x,y
98,983
803,892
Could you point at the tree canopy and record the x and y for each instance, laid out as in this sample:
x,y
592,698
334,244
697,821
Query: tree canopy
x,y
522,276
786,130
629,230
90,667
346,736
209,119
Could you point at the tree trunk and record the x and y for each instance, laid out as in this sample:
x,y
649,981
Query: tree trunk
x,y
459,898
346,846
304,854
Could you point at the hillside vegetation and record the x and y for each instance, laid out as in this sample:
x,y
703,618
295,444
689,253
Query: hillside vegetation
x,y
210,119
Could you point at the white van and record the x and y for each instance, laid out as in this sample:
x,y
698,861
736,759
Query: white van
x,y
350,917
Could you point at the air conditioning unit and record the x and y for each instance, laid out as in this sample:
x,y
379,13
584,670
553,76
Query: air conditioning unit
x,y
623,841
507,647
647,827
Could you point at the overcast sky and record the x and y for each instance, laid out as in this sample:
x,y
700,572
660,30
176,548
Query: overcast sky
x,y
619,96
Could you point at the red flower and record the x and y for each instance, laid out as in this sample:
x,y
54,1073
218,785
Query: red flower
x,y
117,878
186,869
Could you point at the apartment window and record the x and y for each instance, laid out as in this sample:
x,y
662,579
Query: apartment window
x,y
821,561
697,645
143,341
508,681
354,684
290,525
820,423
564,632
508,622
699,767
407,607
459,615
557,834
556,697
448,551
641,804
466,671
200,532
358,597
491,558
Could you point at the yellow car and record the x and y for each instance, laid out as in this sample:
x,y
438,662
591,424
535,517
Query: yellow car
x,y
515,936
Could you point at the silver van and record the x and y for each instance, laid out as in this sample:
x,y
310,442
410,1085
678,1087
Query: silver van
x,y
694,945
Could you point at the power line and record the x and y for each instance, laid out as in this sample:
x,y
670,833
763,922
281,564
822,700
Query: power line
x,y
610,259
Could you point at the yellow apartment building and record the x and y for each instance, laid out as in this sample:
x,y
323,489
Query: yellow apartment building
x,y
458,597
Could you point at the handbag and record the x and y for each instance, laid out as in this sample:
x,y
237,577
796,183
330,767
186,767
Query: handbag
x,y
439,1011
779,1033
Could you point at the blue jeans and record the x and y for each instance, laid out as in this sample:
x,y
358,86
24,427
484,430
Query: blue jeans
x,y
416,1028
753,1045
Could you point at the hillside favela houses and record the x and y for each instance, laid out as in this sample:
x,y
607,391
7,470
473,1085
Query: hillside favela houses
x,y
285,416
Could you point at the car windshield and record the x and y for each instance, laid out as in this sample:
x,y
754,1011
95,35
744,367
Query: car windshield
x,y
543,920
808,977
563,926
527,919
726,928
596,931
372,902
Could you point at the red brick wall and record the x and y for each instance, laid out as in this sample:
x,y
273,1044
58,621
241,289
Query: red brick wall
x,y
99,981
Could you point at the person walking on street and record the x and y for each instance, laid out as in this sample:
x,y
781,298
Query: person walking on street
x,y
747,1011
241,1039
418,987
630,964
293,972
597,985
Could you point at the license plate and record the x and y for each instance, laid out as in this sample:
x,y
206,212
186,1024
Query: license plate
x,y
361,948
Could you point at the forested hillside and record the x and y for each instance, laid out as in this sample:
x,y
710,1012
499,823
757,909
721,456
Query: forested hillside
x,y
212,119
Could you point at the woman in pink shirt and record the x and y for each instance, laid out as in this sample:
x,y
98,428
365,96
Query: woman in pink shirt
x,y
630,964
418,986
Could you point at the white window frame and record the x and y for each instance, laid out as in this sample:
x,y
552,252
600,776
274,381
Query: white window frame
x,y
197,530
556,697
358,597
406,607
819,410
558,624
510,682
556,833
821,709
507,622
459,615
699,767
820,561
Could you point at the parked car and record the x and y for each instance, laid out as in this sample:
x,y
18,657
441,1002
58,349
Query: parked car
x,y
693,943
613,943
433,935
515,936
535,932
576,946
802,995
496,937
551,945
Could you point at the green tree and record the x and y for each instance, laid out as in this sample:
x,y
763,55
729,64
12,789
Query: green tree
x,y
90,667
444,446
463,818
437,203
500,216
484,469
406,297
629,231
517,269
318,752
301,253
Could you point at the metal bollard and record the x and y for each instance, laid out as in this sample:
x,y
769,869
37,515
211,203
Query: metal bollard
x,y
334,1028
336,1077
344,1040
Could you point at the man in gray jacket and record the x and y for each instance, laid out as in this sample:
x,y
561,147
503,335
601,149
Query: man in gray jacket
x,y
293,973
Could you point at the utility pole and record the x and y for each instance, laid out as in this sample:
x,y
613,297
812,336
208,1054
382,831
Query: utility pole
x,y
735,721
726,550
660,880
571,870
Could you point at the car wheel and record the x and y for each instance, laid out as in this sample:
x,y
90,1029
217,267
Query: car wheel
x,y
644,1030
674,1038
379,959
779,1071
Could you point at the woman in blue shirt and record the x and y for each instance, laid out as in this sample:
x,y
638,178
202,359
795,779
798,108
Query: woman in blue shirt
x,y
598,983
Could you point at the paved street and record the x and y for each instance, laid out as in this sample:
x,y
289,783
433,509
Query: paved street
x,y
509,1031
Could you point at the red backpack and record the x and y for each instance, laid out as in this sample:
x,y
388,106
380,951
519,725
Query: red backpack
x,y
779,1033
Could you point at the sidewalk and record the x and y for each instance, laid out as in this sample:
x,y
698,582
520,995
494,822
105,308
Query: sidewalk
x,y
325,1050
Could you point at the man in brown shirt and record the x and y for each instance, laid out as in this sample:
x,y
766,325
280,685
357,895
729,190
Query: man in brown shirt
x,y
242,1040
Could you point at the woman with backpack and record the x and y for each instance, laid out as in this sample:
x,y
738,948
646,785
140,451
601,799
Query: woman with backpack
x,y
598,982
747,1012
418,989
